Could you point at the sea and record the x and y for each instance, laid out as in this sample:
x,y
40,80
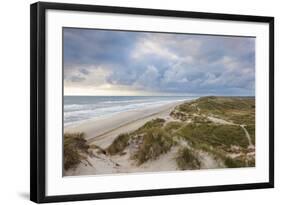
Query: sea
x,y
78,109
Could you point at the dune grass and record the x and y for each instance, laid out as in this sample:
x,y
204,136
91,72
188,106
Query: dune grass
x,y
234,163
186,159
155,141
218,136
75,149
155,123
239,110
119,144
239,162
152,139
173,126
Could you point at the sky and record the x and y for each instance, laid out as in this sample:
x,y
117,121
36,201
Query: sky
x,y
124,63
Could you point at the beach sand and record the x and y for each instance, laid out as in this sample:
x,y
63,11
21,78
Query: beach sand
x,y
103,131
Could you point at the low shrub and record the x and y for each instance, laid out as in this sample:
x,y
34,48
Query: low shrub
x,y
234,163
119,144
75,149
172,126
186,159
214,135
158,122
155,142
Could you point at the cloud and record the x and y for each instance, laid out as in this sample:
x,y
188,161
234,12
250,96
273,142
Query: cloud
x,y
84,71
159,63
76,79
86,76
151,46
149,78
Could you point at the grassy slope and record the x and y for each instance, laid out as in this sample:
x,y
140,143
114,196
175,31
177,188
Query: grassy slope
x,y
239,110
75,149
193,126
219,139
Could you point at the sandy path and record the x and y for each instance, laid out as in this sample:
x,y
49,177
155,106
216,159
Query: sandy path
x,y
247,135
220,121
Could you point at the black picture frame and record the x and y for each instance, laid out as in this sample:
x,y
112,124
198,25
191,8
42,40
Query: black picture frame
x,y
38,101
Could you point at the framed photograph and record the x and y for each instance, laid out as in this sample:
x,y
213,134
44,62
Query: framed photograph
x,y
129,102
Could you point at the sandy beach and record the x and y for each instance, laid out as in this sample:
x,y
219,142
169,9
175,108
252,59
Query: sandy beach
x,y
103,131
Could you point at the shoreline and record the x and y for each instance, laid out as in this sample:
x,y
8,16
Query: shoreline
x,y
103,131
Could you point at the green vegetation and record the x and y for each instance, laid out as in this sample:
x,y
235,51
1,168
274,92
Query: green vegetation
x,y
186,159
154,142
158,122
239,110
239,162
173,126
187,108
193,124
236,110
151,140
200,119
251,162
119,144
234,163
219,136
75,149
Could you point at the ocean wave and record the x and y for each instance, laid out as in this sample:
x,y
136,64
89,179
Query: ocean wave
x,y
77,107
75,113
